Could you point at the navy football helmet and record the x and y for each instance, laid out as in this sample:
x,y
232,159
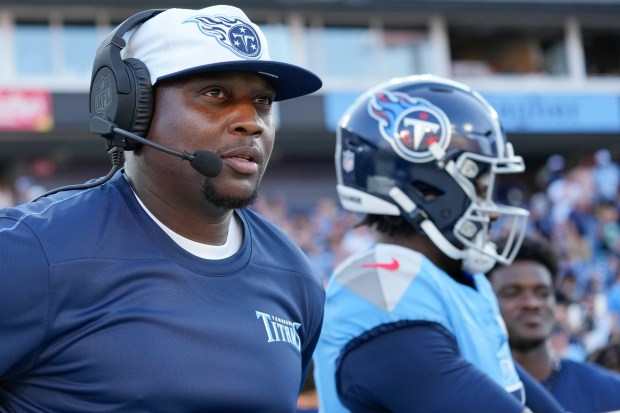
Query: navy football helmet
x,y
429,149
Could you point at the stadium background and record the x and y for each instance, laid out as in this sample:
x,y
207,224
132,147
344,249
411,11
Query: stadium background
x,y
551,68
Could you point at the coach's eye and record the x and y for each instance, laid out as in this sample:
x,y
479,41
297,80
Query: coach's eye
x,y
264,100
215,92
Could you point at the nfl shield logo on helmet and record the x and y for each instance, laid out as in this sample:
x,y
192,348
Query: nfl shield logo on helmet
x,y
348,161
409,124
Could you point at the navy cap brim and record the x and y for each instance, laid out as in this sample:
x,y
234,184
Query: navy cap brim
x,y
289,80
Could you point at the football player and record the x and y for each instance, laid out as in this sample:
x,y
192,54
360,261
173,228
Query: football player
x,y
412,324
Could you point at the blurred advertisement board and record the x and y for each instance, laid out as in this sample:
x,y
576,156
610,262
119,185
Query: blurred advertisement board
x,y
26,110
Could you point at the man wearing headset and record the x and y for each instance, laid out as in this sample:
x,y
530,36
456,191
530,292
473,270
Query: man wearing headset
x,y
156,289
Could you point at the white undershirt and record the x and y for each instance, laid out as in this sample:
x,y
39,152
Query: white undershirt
x,y
206,251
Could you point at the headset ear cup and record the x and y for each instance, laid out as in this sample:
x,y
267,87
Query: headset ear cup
x,y
144,100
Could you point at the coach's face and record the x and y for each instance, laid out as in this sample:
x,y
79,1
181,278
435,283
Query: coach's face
x,y
229,113
525,293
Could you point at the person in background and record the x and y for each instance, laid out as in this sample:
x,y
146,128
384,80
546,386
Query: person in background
x,y
411,323
613,305
607,356
157,288
606,175
308,401
526,293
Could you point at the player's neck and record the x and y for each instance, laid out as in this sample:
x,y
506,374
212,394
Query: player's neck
x,y
426,247
539,361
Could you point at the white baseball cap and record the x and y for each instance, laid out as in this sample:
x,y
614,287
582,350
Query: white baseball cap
x,y
178,42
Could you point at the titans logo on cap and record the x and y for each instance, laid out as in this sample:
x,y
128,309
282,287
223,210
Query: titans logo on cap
x,y
409,124
232,33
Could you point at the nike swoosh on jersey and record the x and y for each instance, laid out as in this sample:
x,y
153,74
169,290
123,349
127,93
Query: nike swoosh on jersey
x,y
391,266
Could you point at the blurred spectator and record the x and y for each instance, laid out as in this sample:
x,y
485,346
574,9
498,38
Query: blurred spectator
x,y
564,340
308,400
606,176
540,216
563,193
6,195
566,287
26,189
552,170
607,356
608,227
572,243
582,173
613,304
597,319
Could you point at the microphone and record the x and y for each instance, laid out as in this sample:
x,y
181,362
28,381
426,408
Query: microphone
x,y
207,163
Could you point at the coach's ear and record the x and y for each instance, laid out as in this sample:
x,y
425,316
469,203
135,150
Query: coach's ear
x,y
121,90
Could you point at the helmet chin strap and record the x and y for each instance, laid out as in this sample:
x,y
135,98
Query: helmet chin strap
x,y
472,261
477,262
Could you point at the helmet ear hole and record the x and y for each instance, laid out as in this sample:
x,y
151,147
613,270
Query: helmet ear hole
x,y
353,142
426,191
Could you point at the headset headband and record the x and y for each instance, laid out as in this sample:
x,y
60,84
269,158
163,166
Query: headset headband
x,y
121,90
108,55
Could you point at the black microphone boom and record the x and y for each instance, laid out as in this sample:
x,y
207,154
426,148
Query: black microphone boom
x,y
207,163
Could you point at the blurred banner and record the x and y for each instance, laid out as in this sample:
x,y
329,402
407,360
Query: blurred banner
x,y
26,110
528,112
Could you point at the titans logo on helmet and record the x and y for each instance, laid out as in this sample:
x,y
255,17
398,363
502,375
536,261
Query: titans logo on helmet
x,y
409,124
232,33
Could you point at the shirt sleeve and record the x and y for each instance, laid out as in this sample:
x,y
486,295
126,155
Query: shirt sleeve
x,y
418,365
308,351
537,398
24,288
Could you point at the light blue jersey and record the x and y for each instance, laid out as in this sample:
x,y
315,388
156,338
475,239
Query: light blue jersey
x,y
389,283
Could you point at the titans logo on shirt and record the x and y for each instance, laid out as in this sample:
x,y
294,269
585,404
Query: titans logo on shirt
x,y
278,329
409,124
232,33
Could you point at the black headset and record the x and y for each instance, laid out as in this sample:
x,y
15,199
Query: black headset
x,y
121,102
121,107
121,90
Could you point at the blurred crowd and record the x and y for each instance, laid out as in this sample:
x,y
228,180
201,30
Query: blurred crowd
x,y
578,210
576,205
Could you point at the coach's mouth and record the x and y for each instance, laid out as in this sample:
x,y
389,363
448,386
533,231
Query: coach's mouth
x,y
244,160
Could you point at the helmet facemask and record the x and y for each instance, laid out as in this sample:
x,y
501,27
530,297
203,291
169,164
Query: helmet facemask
x,y
477,176
429,149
